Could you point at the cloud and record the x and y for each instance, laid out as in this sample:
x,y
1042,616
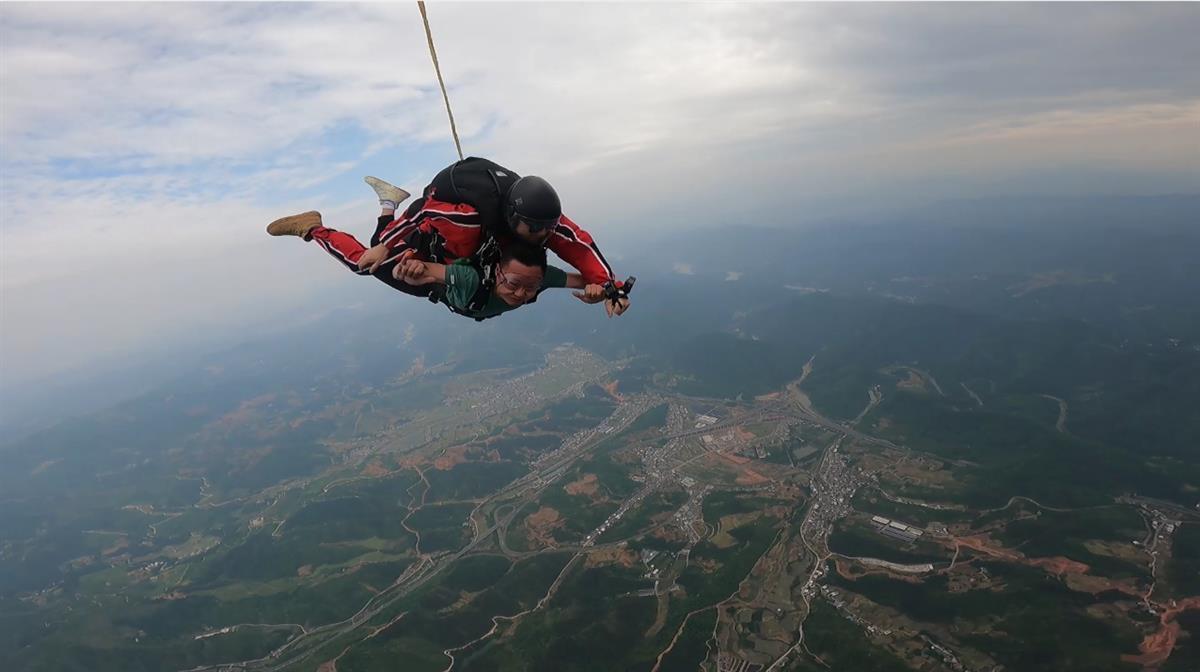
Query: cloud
x,y
682,268
150,143
733,276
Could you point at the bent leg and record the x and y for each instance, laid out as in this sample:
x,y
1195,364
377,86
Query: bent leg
x,y
341,246
390,227
346,249
387,224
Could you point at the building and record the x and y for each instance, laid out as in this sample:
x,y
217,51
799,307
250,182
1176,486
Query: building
x,y
901,535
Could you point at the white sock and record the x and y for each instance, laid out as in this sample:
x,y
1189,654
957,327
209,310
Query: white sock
x,y
387,205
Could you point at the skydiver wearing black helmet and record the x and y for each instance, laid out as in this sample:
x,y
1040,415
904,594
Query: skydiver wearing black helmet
x,y
466,215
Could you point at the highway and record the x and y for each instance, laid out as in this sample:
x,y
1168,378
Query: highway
x,y
529,486
833,484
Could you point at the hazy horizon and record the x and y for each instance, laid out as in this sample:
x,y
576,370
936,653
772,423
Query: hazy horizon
x,y
137,175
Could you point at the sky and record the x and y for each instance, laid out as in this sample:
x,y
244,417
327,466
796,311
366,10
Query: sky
x,y
145,146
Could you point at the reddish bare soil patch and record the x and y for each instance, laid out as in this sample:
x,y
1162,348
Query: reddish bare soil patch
x,y
411,461
611,389
245,411
736,459
1059,565
1178,608
608,556
983,544
452,456
541,525
1157,646
722,539
855,571
1074,573
305,570
751,477
844,570
586,485
913,382
374,470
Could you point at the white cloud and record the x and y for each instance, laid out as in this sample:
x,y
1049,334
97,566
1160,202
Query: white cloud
x,y
733,276
137,136
682,268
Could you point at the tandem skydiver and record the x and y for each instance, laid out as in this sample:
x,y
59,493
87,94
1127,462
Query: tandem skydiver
x,y
470,213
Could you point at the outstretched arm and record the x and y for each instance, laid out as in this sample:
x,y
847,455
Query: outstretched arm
x,y
592,293
595,294
556,277
576,247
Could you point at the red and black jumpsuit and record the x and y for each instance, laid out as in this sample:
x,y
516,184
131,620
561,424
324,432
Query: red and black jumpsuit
x,y
458,223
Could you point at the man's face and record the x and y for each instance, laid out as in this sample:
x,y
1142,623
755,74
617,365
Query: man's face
x,y
534,237
517,283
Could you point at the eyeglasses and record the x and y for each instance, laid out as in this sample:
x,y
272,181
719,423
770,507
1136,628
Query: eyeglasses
x,y
515,285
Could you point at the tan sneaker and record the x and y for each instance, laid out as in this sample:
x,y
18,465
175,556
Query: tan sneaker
x,y
389,194
296,225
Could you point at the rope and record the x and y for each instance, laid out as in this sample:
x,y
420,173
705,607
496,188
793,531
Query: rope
x,y
437,68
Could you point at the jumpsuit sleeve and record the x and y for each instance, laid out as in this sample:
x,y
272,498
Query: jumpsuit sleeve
x,y
576,247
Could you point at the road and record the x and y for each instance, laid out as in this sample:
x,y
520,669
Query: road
x,y
820,553
527,487
833,485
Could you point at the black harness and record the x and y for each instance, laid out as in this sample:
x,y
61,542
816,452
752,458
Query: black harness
x,y
483,185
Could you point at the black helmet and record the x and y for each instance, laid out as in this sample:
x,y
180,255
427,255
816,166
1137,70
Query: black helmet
x,y
532,200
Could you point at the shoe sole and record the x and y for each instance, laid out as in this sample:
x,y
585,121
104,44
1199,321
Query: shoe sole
x,y
394,193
